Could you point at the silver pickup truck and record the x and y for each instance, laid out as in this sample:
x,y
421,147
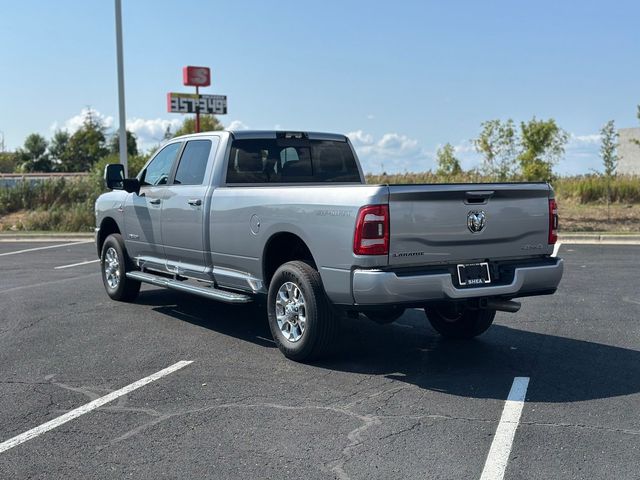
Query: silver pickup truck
x,y
239,215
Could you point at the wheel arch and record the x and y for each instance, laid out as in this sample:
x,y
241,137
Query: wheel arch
x,y
107,226
283,247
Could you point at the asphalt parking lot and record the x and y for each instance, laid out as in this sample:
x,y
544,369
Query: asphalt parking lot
x,y
393,401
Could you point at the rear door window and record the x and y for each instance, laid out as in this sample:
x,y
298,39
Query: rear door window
x,y
193,163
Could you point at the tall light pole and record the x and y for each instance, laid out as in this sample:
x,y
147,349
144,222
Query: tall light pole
x,y
123,117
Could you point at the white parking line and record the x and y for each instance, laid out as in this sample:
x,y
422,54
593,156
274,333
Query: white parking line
x,y
556,249
496,462
97,403
76,264
44,248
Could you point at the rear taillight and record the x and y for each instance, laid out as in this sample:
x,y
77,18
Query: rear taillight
x,y
372,231
553,221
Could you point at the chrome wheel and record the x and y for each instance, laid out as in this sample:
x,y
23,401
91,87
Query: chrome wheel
x,y
112,268
291,311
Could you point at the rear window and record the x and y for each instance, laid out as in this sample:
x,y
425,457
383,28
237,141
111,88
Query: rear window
x,y
291,160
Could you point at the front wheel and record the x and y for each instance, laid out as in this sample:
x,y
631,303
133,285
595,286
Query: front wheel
x,y
452,321
300,317
113,264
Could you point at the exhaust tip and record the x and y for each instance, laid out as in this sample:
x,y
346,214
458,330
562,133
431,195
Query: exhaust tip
x,y
510,306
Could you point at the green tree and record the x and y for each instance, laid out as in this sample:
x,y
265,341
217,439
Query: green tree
x,y
8,162
208,123
85,147
497,144
609,154
609,148
542,143
58,148
33,156
448,164
132,144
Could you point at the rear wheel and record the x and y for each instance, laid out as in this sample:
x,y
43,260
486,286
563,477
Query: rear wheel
x,y
113,264
301,320
385,315
453,321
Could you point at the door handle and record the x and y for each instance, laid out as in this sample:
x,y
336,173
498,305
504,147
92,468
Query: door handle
x,y
196,202
154,201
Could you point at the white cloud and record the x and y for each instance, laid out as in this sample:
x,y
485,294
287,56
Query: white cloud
x,y
150,132
72,124
591,139
464,147
237,125
398,145
393,153
359,138
371,116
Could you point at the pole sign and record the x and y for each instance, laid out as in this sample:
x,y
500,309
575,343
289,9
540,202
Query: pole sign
x,y
193,103
196,76
196,103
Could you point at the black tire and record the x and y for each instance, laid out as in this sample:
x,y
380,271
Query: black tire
x,y
320,323
123,289
385,315
451,321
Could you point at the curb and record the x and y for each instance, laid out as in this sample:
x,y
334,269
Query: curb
x,y
45,237
599,239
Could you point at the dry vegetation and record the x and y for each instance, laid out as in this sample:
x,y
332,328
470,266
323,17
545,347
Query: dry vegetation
x,y
597,217
59,205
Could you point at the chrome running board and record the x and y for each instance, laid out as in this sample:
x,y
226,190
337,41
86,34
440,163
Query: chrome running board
x,y
207,292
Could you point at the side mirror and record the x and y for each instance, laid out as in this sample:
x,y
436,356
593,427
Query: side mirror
x,y
114,178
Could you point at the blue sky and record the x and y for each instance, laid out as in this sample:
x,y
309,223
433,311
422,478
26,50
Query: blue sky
x,y
402,78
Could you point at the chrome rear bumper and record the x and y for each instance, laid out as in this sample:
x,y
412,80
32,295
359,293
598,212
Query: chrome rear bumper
x,y
376,287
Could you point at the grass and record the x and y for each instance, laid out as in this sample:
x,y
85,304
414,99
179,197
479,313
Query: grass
x,y
53,205
596,217
67,205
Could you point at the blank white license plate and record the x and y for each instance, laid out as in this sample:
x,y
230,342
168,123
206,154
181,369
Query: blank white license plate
x,y
472,274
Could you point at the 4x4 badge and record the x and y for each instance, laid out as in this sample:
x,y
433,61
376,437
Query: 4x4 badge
x,y
476,220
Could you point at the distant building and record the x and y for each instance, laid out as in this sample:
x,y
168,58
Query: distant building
x,y
628,151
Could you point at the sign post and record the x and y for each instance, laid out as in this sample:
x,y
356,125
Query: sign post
x,y
198,110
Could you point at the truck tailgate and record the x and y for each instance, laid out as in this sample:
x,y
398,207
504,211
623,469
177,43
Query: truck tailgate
x,y
431,224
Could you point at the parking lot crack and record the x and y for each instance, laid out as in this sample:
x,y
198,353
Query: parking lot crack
x,y
82,390
355,440
402,431
391,391
22,382
354,437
